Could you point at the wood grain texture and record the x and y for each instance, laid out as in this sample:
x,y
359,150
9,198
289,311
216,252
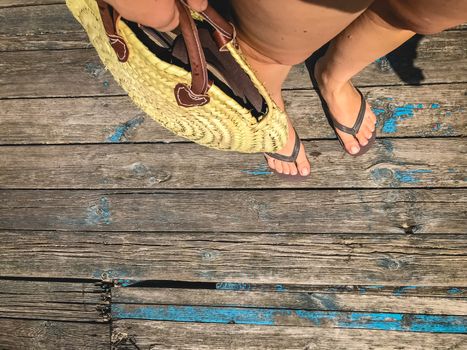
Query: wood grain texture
x,y
55,73
308,211
46,335
398,163
178,336
425,111
319,259
58,301
290,300
20,3
40,28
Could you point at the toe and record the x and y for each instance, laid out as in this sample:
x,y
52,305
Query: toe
x,y
270,162
367,132
278,166
285,168
362,140
293,169
351,145
303,164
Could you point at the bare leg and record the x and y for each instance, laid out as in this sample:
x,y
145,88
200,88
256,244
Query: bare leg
x,y
274,37
380,29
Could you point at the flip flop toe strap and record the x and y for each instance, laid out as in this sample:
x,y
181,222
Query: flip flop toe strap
x,y
293,156
358,123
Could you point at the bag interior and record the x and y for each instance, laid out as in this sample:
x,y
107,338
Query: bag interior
x,y
223,70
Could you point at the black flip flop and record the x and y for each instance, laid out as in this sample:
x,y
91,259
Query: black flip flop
x,y
290,158
311,63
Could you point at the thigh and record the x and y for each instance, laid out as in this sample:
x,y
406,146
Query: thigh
x,y
422,16
288,31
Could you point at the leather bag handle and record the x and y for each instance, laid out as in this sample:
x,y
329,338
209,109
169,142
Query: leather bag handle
x,y
224,32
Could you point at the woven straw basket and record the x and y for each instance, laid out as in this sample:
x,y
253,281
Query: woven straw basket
x,y
222,123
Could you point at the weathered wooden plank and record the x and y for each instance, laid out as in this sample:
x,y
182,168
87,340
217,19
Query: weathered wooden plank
x,y
46,335
435,110
179,335
83,66
18,3
321,259
40,28
57,301
142,297
54,73
397,163
307,211
292,317
370,290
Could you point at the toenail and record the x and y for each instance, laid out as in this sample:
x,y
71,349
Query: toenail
x,y
354,149
364,142
304,171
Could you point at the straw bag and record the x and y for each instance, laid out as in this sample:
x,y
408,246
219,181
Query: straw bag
x,y
210,96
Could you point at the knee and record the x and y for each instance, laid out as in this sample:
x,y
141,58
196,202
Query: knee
x,y
425,26
404,15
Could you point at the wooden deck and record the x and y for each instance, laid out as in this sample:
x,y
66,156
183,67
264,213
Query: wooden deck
x,y
114,233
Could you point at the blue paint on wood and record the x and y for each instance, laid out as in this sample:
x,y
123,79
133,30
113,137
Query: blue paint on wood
x,y
378,111
399,114
280,288
270,317
410,176
233,286
122,130
260,170
99,213
435,105
401,290
455,291
124,282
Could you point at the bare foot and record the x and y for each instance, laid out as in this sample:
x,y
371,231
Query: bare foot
x,y
343,102
289,168
273,74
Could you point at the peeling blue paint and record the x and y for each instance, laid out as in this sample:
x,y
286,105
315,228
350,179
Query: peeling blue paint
x,y
270,317
377,111
233,286
122,129
455,291
99,213
409,176
436,126
401,290
124,282
434,105
399,113
280,288
260,170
